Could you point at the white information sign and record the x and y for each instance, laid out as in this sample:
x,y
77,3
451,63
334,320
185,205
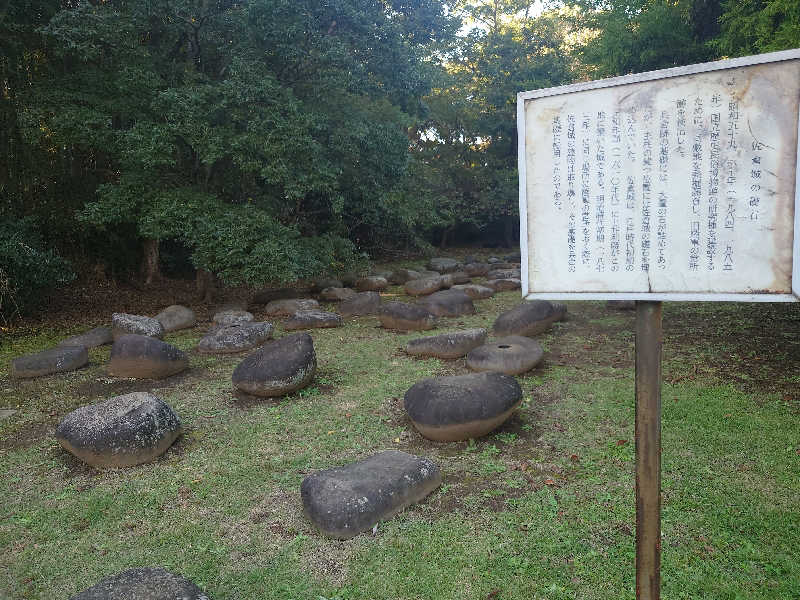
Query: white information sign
x,y
670,185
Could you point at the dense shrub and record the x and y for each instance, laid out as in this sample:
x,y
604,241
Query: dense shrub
x,y
27,271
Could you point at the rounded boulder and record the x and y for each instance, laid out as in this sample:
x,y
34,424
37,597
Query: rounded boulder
x,y
235,338
511,355
405,317
278,368
448,303
529,318
290,306
99,336
460,407
176,317
372,283
337,294
123,324
144,357
144,583
224,318
312,319
55,360
121,432
475,291
447,345
363,303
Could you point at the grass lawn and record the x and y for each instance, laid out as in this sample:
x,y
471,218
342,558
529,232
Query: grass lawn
x,y
543,508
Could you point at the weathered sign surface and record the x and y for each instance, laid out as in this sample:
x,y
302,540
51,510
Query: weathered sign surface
x,y
676,184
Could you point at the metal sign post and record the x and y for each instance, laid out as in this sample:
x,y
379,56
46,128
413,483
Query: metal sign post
x,y
648,450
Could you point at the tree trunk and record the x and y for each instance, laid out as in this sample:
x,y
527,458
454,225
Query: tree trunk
x,y
206,286
150,266
445,235
510,232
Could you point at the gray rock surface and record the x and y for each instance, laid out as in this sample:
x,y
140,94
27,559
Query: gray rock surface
x,y
122,324
477,269
460,278
345,501
99,336
278,368
290,306
454,344
363,303
144,357
235,338
402,276
121,432
372,283
448,303
529,318
512,355
337,294
312,319
46,362
405,317
503,274
176,317
503,285
423,287
224,318
475,291
447,409
444,265
148,583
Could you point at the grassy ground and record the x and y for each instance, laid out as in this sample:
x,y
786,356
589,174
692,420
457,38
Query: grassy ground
x,y
542,508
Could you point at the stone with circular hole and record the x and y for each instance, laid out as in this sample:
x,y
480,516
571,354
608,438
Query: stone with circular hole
x,y
512,355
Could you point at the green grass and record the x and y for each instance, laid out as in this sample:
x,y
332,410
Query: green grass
x,y
543,508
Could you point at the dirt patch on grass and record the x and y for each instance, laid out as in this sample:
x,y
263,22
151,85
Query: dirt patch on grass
x,y
108,387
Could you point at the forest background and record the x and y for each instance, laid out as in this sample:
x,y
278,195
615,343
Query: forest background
x,y
255,141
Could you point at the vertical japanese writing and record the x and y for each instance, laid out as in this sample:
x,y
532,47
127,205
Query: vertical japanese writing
x,y
680,126
599,214
586,159
755,180
697,182
616,182
713,184
731,165
647,185
556,129
663,181
572,252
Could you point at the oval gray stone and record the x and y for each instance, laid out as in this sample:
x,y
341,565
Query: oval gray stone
x,y
231,317
460,407
312,319
337,294
448,303
503,274
99,336
512,355
290,306
345,501
147,583
235,338
372,283
46,362
477,269
459,278
405,317
363,303
145,358
475,291
123,324
278,368
121,432
402,276
503,285
444,265
529,318
423,287
447,345
176,317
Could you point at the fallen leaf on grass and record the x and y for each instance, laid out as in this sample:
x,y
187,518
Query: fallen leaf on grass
x,y
549,481
574,457
621,442
493,595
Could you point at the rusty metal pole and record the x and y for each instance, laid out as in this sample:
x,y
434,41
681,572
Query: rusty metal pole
x,y
648,450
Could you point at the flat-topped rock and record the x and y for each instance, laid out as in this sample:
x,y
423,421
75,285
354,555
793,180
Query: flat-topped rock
x,y
144,357
176,317
402,276
459,278
337,294
529,318
503,274
55,360
224,318
477,269
363,303
312,319
405,317
444,265
448,303
235,338
121,432
503,285
372,283
345,501
512,355
122,324
460,407
423,287
425,274
278,368
290,306
475,291
99,336
147,583
454,344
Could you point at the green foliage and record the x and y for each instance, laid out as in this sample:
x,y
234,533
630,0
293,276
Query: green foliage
x,y
27,271
754,26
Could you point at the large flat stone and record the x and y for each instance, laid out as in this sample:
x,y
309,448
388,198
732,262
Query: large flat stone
x,y
54,360
224,318
423,287
447,345
345,501
235,338
290,306
444,265
512,355
503,285
99,336
371,283
460,407
147,583
337,294
475,291
363,303
405,317
312,319
448,303
278,368
123,324
144,357
176,317
121,432
529,318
